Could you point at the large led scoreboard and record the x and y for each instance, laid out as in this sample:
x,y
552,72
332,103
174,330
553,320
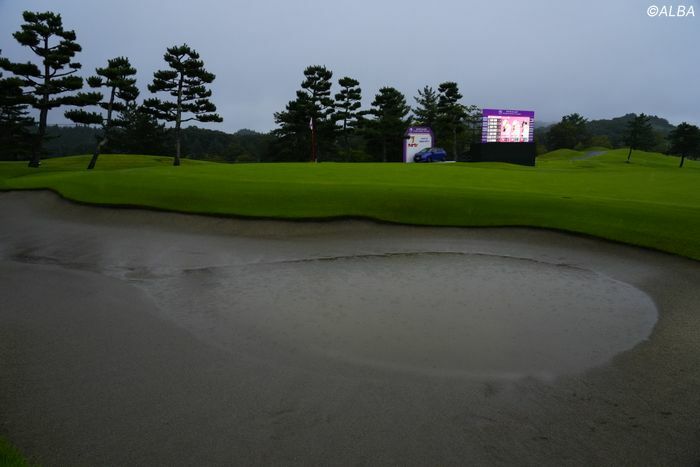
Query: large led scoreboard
x,y
507,126
506,136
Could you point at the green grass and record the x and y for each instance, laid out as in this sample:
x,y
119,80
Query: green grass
x,y
650,202
10,456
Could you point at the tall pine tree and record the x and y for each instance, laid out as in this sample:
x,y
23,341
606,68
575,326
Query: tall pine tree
x,y
313,107
48,82
639,134
15,122
294,136
426,111
473,121
451,113
389,123
317,84
118,78
347,104
186,82
685,141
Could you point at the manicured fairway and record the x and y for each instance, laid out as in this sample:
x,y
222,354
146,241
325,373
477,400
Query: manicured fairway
x,y
650,202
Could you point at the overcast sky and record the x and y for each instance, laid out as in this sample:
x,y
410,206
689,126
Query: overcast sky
x,y
601,58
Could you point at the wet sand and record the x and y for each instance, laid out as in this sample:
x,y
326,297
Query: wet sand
x,y
141,338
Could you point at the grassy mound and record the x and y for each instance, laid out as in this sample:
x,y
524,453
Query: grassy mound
x,y
560,155
649,202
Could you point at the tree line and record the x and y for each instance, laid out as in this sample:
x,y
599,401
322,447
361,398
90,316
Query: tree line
x,y
346,132
317,122
52,82
196,143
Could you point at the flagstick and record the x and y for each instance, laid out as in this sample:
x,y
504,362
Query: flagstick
x,y
313,140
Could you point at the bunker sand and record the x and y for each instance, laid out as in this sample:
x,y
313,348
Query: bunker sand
x,y
134,337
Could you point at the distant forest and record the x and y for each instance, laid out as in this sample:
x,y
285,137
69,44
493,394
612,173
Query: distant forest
x,y
197,143
251,146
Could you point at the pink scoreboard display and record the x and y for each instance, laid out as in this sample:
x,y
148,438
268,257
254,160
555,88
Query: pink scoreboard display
x,y
507,126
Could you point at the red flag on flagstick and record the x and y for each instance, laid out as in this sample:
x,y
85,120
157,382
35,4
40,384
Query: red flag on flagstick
x,y
312,127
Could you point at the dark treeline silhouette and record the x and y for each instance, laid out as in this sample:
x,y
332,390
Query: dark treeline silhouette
x,y
334,127
250,146
51,82
324,121
152,138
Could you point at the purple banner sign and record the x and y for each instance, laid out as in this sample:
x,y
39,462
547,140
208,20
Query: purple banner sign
x,y
507,112
419,129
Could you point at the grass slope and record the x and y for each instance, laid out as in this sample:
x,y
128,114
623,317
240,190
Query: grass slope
x,y
649,202
10,456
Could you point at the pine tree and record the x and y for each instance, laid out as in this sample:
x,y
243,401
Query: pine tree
x,y
639,134
347,104
426,111
139,132
313,107
294,139
185,81
117,77
317,83
451,114
571,132
685,141
473,121
48,82
390,121
15,124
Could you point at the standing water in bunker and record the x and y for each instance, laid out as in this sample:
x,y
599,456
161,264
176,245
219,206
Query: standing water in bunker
x,y
471,315
385,298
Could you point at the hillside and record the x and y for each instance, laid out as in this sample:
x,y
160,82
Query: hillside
x,y
616,128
